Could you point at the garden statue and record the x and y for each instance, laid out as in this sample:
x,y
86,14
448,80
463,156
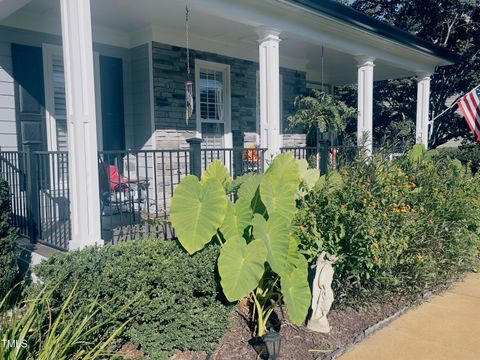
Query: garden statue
x,y
322,294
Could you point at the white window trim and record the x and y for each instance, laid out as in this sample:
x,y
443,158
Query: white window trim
x,y
225,68
48,51
51,123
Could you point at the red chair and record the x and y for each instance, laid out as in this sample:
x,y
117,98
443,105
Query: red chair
x,y
117,195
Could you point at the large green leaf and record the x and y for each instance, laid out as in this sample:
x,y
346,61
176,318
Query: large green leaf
x,y
296,292
241,266
197,211
216,170
238,217
293,256
275,235
249,192
308,176
279,185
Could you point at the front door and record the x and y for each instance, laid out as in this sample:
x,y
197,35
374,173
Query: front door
x,y
29,96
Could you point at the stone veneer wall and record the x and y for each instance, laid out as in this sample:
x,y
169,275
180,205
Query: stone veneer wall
x,y
169,75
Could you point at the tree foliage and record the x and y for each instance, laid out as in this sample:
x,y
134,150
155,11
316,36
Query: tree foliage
x,y
454,24
322,112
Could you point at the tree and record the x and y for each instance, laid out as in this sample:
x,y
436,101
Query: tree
x,y
454,24
320,112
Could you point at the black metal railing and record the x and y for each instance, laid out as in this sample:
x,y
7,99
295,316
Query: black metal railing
x,y
342,155
239,161
136,187
324,156
52,173
12,170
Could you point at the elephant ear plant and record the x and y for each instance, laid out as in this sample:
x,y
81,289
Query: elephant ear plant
x,y
259,257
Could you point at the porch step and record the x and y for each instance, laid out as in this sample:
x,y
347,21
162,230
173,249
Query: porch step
x,y
31,255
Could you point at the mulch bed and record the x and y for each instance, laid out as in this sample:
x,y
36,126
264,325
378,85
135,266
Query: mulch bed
x,y
298,342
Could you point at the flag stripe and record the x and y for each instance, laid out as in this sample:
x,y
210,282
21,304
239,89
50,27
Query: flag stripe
x,y
474,107
466,114
469,105
471,110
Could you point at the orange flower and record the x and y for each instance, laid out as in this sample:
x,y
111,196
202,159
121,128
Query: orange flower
x,y
375,245
385,215
371,232
302,228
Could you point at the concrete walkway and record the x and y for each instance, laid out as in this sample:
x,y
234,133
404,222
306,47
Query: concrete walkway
x,y
445,327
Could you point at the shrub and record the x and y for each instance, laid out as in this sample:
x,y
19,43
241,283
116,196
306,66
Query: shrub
x,y
8,250
467,154
397,227
28,331
176,305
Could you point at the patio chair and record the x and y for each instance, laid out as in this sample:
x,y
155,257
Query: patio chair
x,y
117,195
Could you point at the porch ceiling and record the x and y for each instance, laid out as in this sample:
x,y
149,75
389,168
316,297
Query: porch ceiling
x,y
225,27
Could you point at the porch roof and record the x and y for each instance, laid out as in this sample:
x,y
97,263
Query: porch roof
x,y
321,37
364,22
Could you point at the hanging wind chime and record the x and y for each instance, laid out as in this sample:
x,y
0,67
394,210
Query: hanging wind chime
x,y
188,83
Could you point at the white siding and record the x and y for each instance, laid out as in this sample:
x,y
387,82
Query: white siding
x,y
8,129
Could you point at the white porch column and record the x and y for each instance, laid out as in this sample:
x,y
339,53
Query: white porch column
x,y
82,129
423,108
269,78
365,102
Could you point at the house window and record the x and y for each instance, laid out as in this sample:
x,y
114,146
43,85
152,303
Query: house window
x,y
56,104
213,101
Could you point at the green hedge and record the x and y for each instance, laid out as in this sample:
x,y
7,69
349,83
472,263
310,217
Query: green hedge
x,y
397,227
176,306
8,250
467,154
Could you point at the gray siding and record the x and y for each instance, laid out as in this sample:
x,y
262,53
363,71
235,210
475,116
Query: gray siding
x,y
139,129
32,38
169,75
8,131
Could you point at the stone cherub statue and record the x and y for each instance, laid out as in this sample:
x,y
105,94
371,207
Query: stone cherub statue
x,y
322,294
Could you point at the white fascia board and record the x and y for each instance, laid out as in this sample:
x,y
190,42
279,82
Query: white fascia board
x,y
8,7
320,30
51,25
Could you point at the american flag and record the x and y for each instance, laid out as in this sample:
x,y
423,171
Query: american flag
x,y
470,107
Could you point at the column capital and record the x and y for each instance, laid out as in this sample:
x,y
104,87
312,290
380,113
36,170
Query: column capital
x,y
423,76
365,60
267,33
